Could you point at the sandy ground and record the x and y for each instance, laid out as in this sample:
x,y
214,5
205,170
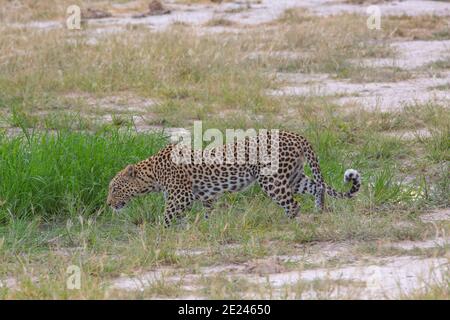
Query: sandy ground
x,y
252,12
387,277
362,277
384,96
409,7
414,56
353,276
365,277
440,215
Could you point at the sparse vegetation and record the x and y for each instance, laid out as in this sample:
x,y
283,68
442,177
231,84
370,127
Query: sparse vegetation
x,y
424,27
61,142
219,22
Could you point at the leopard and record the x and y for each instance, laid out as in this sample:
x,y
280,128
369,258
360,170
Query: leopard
x,y
185,182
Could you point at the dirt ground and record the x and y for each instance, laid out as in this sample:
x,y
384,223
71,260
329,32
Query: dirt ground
x,y
339,269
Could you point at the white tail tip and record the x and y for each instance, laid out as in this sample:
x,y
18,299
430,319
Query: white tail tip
x,y
351,175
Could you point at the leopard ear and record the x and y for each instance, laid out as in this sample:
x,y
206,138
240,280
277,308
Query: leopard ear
x,y
130,171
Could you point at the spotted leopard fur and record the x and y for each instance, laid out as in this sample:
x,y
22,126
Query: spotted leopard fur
x,y
182,184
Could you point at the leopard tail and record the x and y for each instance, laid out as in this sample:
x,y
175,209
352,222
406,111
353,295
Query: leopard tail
x,y
350,175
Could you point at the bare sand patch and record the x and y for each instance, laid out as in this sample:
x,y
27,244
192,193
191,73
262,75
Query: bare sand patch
x,y
438,242
410,7
437,215
287,55
244,13
320,253
412,54
383,96
389,278
363,277
265,266
123,103
191,252
251,13
381,278
139,283
409,134
8,282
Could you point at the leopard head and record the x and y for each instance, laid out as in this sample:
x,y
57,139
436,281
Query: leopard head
x,y
127,184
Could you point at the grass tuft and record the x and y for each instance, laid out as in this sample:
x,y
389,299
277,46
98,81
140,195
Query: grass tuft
x,y
63,172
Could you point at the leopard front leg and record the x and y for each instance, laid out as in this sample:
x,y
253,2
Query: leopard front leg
x,y
176,203
206,197
209,206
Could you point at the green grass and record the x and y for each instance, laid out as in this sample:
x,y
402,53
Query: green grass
x,y
58,173
66,174
442,64
192,74
54,186
55,171
438,291
329,43
192,77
